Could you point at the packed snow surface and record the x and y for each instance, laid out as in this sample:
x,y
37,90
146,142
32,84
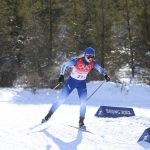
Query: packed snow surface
x,y
21,111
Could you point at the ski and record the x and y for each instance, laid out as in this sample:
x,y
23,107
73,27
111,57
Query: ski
x,y
39,125
83,129
35,126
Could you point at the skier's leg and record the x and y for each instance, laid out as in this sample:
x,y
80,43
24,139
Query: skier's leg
x,y
64,94
82,92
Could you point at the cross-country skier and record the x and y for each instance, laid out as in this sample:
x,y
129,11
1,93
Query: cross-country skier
x,y
81,67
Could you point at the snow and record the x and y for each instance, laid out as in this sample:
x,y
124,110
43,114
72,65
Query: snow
x,y
21,111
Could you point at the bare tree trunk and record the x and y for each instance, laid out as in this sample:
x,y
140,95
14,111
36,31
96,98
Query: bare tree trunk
x,y
130,40
146,23
50,40
102,34
147,32
75,24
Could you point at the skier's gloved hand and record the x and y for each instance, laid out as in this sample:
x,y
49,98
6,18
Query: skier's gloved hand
x,y
61,79
106,77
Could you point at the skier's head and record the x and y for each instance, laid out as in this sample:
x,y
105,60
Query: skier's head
x,y
89,54
89,51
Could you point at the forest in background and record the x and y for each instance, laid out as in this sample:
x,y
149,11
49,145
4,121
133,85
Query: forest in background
x,y
37,36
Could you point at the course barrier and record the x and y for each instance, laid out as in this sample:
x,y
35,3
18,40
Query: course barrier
x,y
114,112
145,137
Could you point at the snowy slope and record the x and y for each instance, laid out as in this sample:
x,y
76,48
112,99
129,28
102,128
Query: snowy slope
x,y
21,112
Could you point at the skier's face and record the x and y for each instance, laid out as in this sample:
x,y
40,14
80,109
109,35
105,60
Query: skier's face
x,y
89,58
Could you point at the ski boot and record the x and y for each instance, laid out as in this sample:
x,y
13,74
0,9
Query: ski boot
x,y
81,124
47,117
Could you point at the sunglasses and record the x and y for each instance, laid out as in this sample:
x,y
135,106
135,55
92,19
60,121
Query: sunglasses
x,y
90,57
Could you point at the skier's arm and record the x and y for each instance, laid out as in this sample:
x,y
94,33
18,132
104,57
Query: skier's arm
x,y
67,64
99,69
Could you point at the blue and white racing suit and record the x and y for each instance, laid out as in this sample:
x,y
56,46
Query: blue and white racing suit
x,y
76,80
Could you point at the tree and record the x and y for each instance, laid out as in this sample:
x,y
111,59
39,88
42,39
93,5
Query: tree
x,y
11,45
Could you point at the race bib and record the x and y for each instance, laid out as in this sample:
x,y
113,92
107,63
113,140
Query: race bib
x,y
81,70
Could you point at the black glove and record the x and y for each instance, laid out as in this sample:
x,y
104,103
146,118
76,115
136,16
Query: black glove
x,y
107,78
61,79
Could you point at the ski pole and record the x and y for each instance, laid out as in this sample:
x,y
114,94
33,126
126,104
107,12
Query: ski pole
x,y
95,90
56,86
